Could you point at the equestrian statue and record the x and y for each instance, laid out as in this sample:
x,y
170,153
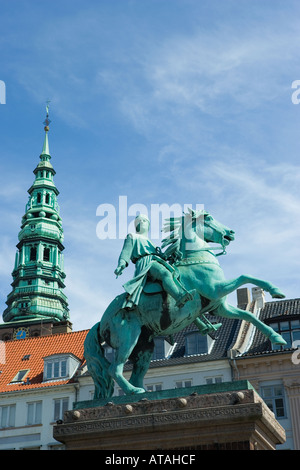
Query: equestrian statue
x,y
170,290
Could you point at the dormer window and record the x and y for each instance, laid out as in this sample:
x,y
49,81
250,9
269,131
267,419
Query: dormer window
x,y
109,353
195,343
60,366
289,330
162,348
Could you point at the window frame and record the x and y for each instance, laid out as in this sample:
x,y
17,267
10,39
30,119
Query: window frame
x,y
10,418
19,378
272,401
59,367
203,343
289,332
37,410
54,368
183,383
63,405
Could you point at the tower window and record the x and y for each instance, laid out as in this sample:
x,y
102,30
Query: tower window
x,y
38,198
46,256
47,198
33,253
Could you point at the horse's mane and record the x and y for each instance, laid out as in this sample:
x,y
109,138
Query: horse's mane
x,y
174,226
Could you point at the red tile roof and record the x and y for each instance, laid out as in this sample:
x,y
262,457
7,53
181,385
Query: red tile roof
x,y
12,358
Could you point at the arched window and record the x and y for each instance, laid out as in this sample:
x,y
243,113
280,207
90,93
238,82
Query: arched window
x,y
47,198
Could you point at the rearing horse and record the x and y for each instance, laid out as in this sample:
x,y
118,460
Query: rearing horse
x,y
131,332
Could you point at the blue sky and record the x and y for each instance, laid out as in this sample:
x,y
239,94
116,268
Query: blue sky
x,y
161,101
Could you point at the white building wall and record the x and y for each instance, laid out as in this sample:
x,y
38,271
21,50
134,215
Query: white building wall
x,y
38,436
197,373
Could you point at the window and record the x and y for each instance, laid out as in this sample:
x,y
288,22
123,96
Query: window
x,y
273,395
20,376
34,412
154,387
7,416
60,366
32,253
162,348
213,380
289,330
46,256
195,343
183,383
56,369
60,406
38,198
159,349
47,198
109,353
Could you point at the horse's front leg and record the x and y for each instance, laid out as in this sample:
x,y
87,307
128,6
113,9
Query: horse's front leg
x,y
229,311
225,287
124,336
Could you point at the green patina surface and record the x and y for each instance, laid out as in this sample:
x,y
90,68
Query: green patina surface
x,y
165,394
38,275
192,284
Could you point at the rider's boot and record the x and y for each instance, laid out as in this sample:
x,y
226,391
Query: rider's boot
x,y
206,328
186,297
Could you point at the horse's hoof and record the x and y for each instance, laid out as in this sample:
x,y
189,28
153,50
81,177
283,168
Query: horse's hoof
x,y
277,339
277,294
136,390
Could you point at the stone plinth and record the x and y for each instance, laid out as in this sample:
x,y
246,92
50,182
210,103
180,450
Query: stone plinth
x,y
223,416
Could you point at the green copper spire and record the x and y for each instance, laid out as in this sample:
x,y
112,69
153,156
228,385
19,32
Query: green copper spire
x,y
38,275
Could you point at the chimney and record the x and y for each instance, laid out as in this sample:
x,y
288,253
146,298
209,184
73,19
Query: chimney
x,y
258,296
243,297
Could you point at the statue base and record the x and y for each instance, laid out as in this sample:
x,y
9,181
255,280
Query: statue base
x,y
226,416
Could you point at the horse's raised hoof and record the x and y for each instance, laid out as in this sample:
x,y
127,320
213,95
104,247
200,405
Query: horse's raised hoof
x,y
275,338
276,293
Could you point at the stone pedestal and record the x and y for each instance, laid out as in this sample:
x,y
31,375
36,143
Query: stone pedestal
x,y
228,416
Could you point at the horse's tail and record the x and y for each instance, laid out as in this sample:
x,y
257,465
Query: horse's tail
x,y
98,364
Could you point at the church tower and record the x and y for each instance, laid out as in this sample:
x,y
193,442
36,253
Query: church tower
x,y
38,275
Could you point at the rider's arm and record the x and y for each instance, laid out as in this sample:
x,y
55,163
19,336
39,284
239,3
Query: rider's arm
x,y
125,255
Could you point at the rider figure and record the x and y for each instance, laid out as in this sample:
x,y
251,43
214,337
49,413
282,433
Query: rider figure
x,y
148,263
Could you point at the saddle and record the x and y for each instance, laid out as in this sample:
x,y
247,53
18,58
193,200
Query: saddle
x,y
152,287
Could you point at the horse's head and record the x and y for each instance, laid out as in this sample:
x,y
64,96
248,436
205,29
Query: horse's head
x,y
209,229
192,232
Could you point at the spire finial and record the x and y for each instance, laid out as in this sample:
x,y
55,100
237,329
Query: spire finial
x,y
47,121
